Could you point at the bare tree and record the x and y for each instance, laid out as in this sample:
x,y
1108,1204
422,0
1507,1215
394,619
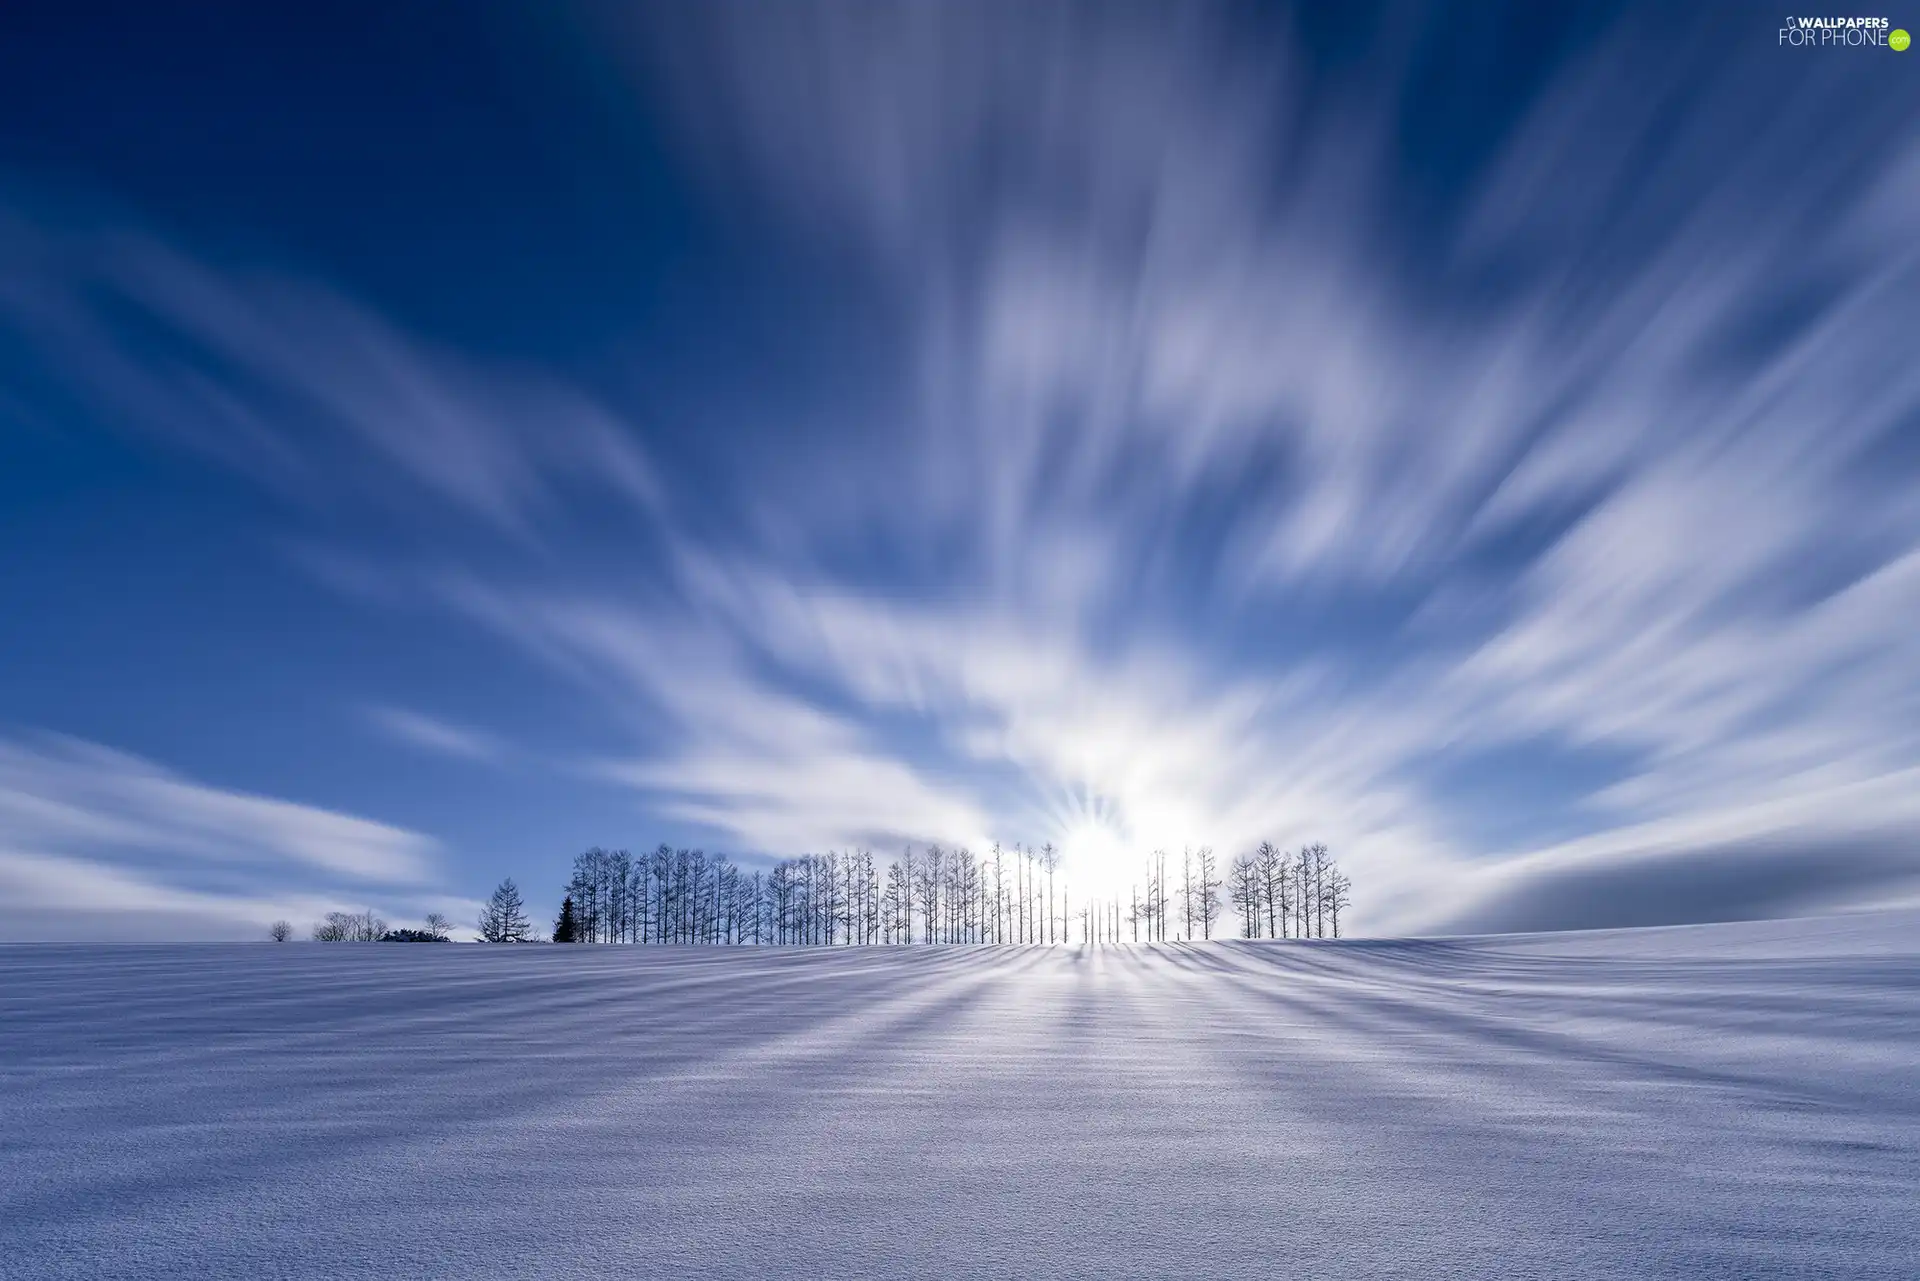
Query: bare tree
x,y
910,891
1317,864
934,895
1049,859
1208,888
1157,897
1243,885
349,927
896,906
438,925
280,931
1302,880
504,919
1339,895
1019,906
616,871
1271,866
1186,891
933,869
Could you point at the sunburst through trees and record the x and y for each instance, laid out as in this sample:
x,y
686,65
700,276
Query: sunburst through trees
x,y
940,894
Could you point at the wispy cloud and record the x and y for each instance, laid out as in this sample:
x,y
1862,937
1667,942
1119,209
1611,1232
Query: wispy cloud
x,y
87,833
303,389
1639,403
1235,500
417,729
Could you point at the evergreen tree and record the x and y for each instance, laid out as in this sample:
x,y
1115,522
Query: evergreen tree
x,y
567,928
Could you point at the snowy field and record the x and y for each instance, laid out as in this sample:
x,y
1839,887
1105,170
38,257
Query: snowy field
x,y
1724,1101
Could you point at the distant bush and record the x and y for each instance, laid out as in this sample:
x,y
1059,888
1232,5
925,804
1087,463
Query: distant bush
x,y
412,936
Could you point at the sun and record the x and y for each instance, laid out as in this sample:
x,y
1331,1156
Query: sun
x,y
1096,857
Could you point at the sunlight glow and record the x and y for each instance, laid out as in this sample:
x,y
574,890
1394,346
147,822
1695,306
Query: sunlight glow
x,y
1096,857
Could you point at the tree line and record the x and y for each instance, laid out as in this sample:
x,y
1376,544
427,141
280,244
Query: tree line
x,y
935,894
366,927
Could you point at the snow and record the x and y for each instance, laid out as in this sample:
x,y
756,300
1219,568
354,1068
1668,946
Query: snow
x,y
1707,1101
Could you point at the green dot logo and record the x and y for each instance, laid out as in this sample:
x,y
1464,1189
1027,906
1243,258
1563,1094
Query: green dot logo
x,y
1899,40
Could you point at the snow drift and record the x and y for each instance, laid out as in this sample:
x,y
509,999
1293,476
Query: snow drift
x,y
1711,1101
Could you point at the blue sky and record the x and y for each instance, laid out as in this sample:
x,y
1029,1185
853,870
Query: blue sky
x,y
437,439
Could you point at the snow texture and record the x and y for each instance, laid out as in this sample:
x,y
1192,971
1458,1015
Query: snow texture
x,y
1718,1101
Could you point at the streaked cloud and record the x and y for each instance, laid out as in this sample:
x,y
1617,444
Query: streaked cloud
x,y
1244,488
436,735
87,832
1178,383
307,391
